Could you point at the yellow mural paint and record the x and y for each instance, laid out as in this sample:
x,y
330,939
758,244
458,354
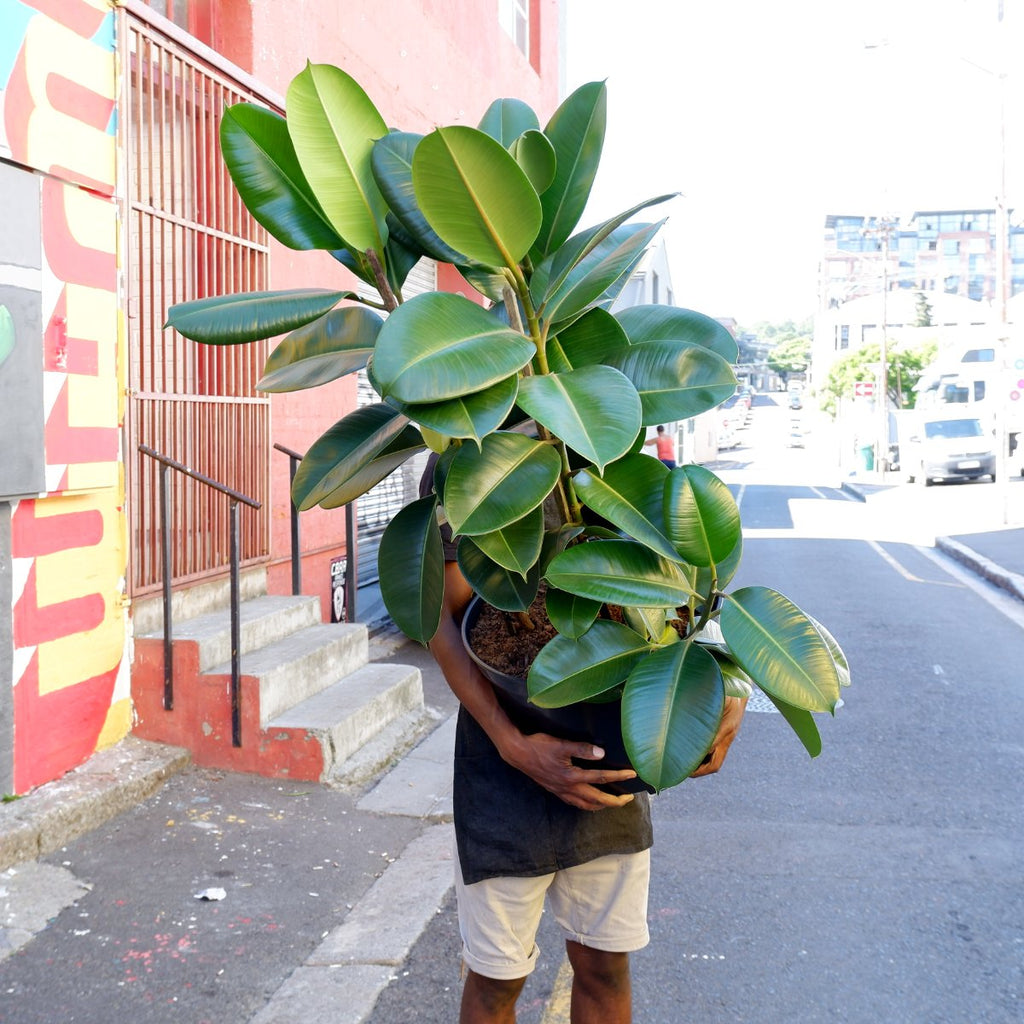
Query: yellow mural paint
x,y
90,220
117,725
93,316
59,139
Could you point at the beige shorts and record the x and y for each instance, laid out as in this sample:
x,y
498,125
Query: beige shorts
x,y
601,904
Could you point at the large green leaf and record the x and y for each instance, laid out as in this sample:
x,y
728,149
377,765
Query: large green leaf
x,y
675,380
343,451
572,616
620,572
536,156
595,410
671,709
324,350
498,586
250,316
399,451
488,488
506,119
439,345
802,723
630,495
842,665
262,163
517,546
596,272
550,275
567,671
473,416
780,648
722,572
475,195
410,561
592,338
701,516
576,130
670,323
333,125
392,170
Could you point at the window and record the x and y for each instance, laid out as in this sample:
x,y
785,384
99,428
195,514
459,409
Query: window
x,y
654,286
514,17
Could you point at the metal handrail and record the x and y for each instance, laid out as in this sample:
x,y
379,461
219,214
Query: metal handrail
x,y
351,568
167,463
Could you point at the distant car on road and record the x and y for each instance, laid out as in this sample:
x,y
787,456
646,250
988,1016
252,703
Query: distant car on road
x,y
947,448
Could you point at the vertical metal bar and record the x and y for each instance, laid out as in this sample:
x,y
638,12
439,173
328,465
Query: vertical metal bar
x,y
236,669
165,515
293,465
352,563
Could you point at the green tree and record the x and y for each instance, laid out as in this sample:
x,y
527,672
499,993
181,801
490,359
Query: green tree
x,y
922,311
791,354
904,368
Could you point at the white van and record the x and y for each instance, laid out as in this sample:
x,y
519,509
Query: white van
x,y
940,447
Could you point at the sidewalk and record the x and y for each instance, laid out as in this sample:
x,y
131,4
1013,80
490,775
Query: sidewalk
x,y
247,900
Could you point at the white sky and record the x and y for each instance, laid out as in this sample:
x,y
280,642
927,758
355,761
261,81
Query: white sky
x,y
769,114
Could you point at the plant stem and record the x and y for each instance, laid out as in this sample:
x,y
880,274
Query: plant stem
x,y
391,302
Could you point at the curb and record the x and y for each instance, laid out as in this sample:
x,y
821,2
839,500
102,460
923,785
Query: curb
x,y
987,569
111,781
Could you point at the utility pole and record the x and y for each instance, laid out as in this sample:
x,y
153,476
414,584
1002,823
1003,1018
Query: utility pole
x,y
885,228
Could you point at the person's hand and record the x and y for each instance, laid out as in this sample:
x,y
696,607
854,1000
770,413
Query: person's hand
x,y
732,715
548,761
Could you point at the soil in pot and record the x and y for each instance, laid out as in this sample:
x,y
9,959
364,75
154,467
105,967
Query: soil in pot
x,y
505,648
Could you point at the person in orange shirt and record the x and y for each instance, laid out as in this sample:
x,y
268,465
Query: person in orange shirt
x,y
666,447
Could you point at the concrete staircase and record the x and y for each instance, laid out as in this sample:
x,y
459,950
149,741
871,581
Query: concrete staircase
x,y
313,707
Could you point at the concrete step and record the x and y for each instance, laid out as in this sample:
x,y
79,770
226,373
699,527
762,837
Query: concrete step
x,y
294,668
350,713
262,621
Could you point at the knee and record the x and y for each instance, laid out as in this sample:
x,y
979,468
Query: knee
x,y
492,995
599,970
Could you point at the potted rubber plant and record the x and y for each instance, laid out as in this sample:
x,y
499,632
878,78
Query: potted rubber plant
x,y
536,397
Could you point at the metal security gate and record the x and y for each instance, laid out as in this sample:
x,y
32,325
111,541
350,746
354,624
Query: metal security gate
x,y
187,236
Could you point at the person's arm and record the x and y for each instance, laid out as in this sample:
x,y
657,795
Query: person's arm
x,y
727,730
545,759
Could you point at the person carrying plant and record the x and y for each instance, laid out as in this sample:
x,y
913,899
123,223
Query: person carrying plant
x,y
531,824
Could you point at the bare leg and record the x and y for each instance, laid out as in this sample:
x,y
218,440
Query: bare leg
x,y
601,990
489,1000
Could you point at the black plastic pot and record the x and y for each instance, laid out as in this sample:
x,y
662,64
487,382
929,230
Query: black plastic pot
x,y
586,722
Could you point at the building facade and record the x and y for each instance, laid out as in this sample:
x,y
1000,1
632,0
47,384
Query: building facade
x,y
116,205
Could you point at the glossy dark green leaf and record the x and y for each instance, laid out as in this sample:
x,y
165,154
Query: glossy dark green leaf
x,y
250,316
262,163
671,709
343,451
411,568
475,195
630,495
335,344
620,572
780,648
536,156
488,488
567,671
701,516
391,162
592,338
550,275
517,546
737,683
576,130
506,119
408,443
503,588
675,380
439,345
333,125
591,277
472,416
842,665
802,723
595,410
572,616
670,323
723,572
